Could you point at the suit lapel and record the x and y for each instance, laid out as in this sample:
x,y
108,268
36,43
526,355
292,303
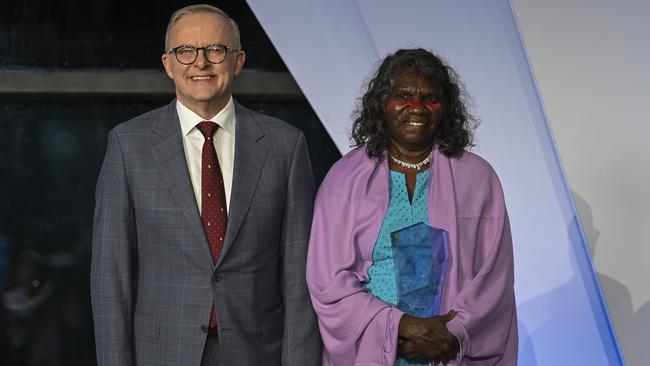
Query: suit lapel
x,y
170,156
250,155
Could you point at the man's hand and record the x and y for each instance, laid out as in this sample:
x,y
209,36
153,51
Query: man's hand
x,y
427,339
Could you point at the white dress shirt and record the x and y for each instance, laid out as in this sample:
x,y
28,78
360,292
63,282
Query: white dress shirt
x,y
224,143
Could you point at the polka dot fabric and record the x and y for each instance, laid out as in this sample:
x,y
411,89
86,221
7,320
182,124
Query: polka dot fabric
x,y
213,196
401,213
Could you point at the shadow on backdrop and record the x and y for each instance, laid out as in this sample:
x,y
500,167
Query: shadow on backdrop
x,y
632,327
555,313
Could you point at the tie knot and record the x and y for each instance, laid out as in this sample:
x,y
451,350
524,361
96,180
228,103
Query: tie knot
x,y
207,128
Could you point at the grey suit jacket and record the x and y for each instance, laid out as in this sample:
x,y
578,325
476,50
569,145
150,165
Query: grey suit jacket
x,y
152,279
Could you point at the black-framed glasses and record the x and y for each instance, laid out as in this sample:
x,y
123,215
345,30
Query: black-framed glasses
x,y
215,53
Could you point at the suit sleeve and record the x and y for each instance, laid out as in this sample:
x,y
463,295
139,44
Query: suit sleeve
x,y
301,344
112,266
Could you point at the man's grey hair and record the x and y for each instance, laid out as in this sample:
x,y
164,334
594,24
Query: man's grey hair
x,y
201,8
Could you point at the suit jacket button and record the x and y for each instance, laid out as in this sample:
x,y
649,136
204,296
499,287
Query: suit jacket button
x,y
217,277
204,328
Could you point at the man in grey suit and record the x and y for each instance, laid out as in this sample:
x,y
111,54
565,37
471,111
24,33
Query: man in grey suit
x,y
175,280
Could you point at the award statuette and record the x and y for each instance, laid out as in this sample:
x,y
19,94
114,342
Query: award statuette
x,y
420,255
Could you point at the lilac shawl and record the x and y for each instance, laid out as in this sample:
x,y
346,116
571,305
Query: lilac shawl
x,y
466,200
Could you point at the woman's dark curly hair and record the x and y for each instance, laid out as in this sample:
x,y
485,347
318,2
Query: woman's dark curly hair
x,y
453,133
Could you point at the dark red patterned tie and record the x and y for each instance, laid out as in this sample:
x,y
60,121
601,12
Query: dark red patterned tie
x,y
213,197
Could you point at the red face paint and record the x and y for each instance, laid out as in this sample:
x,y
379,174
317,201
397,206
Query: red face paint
x,y
400,104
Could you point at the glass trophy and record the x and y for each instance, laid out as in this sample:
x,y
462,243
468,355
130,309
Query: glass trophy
x,y
420,255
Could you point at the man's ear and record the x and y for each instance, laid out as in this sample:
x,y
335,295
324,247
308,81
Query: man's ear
x,y
239,62
166,61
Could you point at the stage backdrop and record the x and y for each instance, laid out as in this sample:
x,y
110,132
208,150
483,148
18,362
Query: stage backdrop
x,y
332,46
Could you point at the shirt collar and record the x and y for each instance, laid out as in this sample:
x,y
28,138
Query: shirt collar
x,y
225,118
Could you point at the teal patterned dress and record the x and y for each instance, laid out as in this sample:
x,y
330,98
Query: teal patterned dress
x,y
401,213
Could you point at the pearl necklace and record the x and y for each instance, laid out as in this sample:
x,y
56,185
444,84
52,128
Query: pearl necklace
x,y
415,166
